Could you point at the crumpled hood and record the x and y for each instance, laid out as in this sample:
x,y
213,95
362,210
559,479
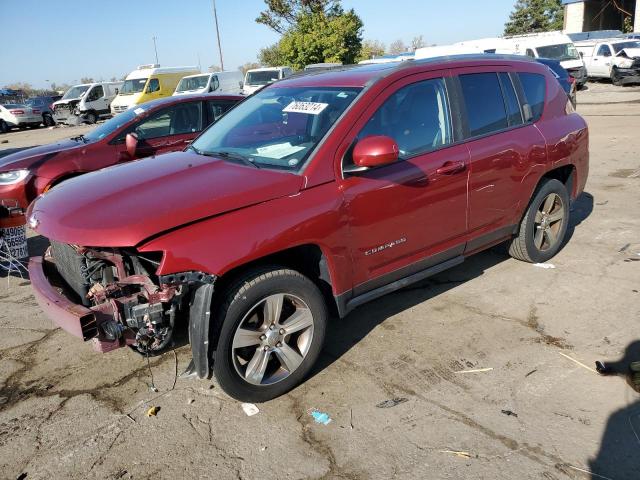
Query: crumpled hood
x,y
123,205
630,52
32,158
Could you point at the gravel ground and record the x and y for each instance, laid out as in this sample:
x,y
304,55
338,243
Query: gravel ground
x,y
532,412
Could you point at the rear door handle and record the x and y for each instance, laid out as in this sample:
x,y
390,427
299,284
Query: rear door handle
x,y
449,168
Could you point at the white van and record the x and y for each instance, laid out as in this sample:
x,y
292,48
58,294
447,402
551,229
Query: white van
x,y
553,45
259,77
87,102
221,82
149,82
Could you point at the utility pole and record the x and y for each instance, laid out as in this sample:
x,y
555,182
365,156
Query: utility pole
x,y
156,49
215,17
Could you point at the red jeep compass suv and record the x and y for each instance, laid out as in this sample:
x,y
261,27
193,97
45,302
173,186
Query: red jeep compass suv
x,y
318,193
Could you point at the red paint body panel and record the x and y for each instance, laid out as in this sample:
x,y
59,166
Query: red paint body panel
x,y
212,216
68,158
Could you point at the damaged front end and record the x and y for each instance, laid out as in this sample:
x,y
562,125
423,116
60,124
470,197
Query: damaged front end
x,y
113,297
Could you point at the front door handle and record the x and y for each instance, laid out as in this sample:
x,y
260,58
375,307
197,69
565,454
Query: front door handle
x,y
449,168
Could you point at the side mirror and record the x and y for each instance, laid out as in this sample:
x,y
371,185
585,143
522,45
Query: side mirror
x,y
375,151
131,141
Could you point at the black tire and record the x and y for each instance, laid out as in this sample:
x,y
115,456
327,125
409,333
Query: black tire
x,y
244,297
615,78
4,128
523,247
91,118
48,120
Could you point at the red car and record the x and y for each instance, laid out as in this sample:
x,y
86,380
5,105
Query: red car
x,y
161,126
314,195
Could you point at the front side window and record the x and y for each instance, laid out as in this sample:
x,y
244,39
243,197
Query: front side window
x,y
277,127
534,86
604,51
416,117
135,85
176,120
529,53
485,105
154,85
95,93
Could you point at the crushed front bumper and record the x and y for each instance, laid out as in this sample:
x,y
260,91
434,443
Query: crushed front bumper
x,y
75,319
628,75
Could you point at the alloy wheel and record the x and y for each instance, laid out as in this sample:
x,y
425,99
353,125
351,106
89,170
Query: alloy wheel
x,y
273,339
548,222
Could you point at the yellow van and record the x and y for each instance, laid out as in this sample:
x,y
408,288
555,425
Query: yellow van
x,y
149,82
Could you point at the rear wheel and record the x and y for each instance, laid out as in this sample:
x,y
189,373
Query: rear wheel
x,y
544,225
272,330
4,128
91,118
48,121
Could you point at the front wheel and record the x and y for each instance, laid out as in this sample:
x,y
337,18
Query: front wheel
x,y
272,329
48,120
544,224
4,128
91,118
615,77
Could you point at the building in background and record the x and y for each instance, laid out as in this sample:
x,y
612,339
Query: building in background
x,y
590,15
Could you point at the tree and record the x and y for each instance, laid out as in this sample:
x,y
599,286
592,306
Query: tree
x,y
371,49
532,16
417,42
281,15
248,66
86,80
397,47
314,31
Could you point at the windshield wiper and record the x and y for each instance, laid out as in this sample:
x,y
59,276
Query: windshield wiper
x,y
191,147
230,156
80,138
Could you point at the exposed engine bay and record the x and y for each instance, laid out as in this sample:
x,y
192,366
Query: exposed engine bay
x,y
132,305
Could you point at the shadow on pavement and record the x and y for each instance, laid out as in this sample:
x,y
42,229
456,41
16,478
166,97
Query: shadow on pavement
x,y
619,454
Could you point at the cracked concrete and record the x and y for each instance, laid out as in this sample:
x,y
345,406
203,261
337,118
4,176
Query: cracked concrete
x,y
67,412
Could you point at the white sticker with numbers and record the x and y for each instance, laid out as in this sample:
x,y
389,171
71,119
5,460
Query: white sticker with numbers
x,y
312,108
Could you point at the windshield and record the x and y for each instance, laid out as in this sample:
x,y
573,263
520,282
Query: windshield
x,y
111,125
278,127
561,52
75,92
192,83
618,47
262,77
135,85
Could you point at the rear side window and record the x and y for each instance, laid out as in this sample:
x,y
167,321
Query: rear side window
x,y
514,115
485,106
416,117
534,86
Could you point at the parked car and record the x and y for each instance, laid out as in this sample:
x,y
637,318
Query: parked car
x,y
149,82
161,126
257,78
45,105
616,59
567,82
316,194
18,115
86,103
221,82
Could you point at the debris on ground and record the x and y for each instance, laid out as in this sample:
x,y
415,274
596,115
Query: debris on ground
x,y
544,265
509,413
250,409
4,141
153,411
476,370
531,372
392,403
578,362
321,417
457,453
190,401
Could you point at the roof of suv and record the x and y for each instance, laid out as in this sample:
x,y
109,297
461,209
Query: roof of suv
x,y
363,75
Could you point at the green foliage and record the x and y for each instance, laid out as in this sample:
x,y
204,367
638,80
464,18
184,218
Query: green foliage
x,y
321,32
371,49
281,15
87,80
532,16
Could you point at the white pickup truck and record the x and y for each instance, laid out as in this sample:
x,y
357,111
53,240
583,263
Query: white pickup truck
x,y
614,58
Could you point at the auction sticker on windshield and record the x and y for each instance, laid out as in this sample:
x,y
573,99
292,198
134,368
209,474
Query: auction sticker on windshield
x,y
312,108
280,150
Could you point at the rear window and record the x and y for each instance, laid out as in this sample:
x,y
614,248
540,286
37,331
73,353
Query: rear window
x,y
485,106
511,100
535,87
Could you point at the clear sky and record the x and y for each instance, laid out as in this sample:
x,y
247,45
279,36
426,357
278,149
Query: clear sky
x,y
60,41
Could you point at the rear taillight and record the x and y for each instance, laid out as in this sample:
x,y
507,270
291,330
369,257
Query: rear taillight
x,y
35,111
17,112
